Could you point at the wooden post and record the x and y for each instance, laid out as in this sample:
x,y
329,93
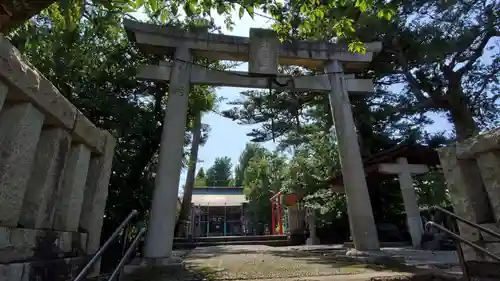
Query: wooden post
x,y
273,224
208,219
225,219
280,217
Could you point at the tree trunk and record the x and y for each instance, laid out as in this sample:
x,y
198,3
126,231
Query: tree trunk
x,y
190,179
461,115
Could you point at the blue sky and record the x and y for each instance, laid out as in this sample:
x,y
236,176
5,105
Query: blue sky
x,y
227,138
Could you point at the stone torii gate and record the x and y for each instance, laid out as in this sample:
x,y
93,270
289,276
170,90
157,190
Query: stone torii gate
x,y
410,200
264,53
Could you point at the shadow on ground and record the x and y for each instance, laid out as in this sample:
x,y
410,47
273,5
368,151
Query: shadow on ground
x,y
337,259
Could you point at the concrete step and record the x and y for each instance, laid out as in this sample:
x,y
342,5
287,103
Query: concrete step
x,y
231,238
272,243
350,244
267,240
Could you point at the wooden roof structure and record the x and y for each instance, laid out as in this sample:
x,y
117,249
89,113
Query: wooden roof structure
x,y
416,154
15,12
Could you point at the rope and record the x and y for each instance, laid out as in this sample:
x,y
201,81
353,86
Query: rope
x,y
270,82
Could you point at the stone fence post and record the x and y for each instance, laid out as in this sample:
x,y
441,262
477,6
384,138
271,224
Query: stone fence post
x,y
472,172
54,173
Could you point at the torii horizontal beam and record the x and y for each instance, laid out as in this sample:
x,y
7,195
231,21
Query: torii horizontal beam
x,y
157,39
204,76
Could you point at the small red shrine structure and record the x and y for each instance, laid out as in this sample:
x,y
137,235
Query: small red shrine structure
x,y
276,209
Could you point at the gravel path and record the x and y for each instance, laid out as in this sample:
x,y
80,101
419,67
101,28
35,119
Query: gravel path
x,y
263,262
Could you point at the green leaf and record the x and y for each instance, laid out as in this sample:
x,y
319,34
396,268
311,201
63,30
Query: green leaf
x,y
164,16
357,47
139,3
241,12
221,9
385,13
362,5
154,5
319,14
250,11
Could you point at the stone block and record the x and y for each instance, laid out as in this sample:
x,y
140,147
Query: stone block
x,y
481,143
491,243
20,127
46,180
70,199
483,271
467,191
31,86
20,244
88,133
14,272
264,46
153,269
47,270
489,165
96,193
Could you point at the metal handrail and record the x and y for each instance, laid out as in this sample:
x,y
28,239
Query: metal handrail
x,y
463,240
460,239
130,250
105,246
466,221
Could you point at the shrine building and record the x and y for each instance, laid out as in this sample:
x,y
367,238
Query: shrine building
x,y
218,211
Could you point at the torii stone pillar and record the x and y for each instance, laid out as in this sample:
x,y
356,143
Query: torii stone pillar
x,y
361,221
404,172
159,239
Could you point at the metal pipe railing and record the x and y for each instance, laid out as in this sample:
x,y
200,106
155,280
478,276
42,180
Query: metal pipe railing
x,y
106,244
118,270
466,221
460,239
463,240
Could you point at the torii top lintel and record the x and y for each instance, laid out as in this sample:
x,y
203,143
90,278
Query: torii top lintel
x,y
157,39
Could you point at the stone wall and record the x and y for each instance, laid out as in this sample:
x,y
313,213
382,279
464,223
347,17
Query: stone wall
x,y
54,173
472,171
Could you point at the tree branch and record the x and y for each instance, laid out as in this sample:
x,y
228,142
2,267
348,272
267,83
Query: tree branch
x,y
478,51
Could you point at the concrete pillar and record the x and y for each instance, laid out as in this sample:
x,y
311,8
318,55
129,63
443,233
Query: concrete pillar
x,y
489,167
70,199
96,193
161,225
3,94
46,179
361,221
20,127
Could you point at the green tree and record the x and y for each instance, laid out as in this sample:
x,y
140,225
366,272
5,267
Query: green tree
x,y
264,176
251,150
93,65
200,178
305,17
219,174
445,54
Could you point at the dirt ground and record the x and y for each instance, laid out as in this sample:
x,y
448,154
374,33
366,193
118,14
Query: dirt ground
x,y
263,262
